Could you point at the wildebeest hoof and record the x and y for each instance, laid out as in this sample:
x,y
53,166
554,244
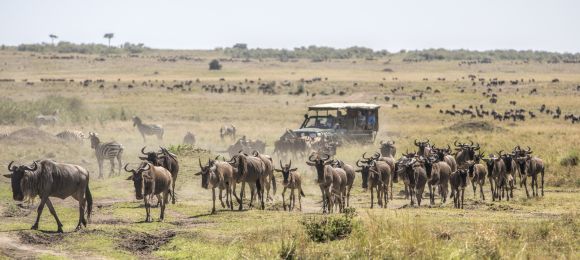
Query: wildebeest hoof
x,y
78,228
59,230
34,227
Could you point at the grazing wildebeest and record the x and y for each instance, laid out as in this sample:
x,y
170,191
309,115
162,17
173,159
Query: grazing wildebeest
x,y
376,175
438,173
531,166
110,150
458,181
189,138
149,181
332,181
148,129
250,170
228,130
292,181
50,179
350,176
219,175
167,160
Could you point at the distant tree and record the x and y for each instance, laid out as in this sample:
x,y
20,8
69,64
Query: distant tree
x,y
52,37
242,46
215,65
109,36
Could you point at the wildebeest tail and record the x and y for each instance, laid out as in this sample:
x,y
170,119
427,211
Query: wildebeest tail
x,y
89,198
302,193
259,186
273,184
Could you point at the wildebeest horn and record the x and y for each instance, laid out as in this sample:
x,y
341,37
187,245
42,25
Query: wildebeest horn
x,y
148,167
363,156
416,142
476,147
327,156
426,141
290,165
470,143
358,164
10,168
310,158
448,148
217,157
143,150
232,160
529,150
281,167
455,143
500,153
32,169
199,159
376,156
127,170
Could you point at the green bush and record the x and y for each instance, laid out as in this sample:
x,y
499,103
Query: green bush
x,y
287,250
330,228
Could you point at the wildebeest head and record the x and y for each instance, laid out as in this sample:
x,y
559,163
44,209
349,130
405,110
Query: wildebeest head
x,y
94,140
319,162
462,177
138,177
17,175
136,121
206,172
441,152
286,170
468,149
388,148
423,146
152,157
364,170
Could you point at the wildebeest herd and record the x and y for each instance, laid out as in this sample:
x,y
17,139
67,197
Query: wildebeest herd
x,y
432,167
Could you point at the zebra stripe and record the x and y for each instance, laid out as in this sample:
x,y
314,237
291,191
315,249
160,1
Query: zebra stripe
x,y
72,136
108,150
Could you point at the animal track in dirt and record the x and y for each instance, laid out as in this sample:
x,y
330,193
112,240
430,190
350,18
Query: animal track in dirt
x,y
144,243
39,238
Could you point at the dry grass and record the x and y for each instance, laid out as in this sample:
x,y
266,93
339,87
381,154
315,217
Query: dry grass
x,y
525,228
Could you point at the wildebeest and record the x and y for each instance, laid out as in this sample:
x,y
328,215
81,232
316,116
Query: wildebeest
x,y
47,179
246,146
499,185
148,129
388,149
477,173
219,175
376,175
458,181
250,170
228,130
189,138
270,179
438,173
424,148
167,160
350,176
110,150
332,181
291,180
149,181
465,152
531,166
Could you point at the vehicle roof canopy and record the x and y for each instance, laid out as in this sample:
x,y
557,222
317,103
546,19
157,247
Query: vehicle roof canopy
x,y
333,106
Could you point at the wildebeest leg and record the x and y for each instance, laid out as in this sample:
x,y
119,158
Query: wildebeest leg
x,y
474,188
372,197
283,199
524,181
431,191
534,186
81,199
391,189
163,204
348,195
221,200
38,213
292,200
462,196
542,172
330,200
300,192
406,191
213,200
147,208
481,190
119,161
253,193
324,205
53,212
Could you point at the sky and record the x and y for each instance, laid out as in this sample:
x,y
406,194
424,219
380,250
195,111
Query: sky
x,y
550,25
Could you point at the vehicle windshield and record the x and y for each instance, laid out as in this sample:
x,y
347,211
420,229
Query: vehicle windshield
x,y
326,122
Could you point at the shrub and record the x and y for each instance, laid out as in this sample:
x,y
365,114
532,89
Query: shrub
x,y
287,250
215,65
571,159
330,228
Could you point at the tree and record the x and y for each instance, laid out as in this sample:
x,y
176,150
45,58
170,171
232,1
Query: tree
x,y
215,65
109,36
52,37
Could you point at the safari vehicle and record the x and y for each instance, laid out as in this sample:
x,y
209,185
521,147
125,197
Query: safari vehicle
x,y
344,121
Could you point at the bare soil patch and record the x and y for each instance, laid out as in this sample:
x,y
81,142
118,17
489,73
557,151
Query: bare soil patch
x,y
39,238
144,243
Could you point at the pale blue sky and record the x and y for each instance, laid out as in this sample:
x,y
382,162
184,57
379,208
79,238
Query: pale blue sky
x,y
552,25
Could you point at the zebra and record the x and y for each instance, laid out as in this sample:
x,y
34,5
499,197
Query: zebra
x,y
71,136
148,129
41,120
110,150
